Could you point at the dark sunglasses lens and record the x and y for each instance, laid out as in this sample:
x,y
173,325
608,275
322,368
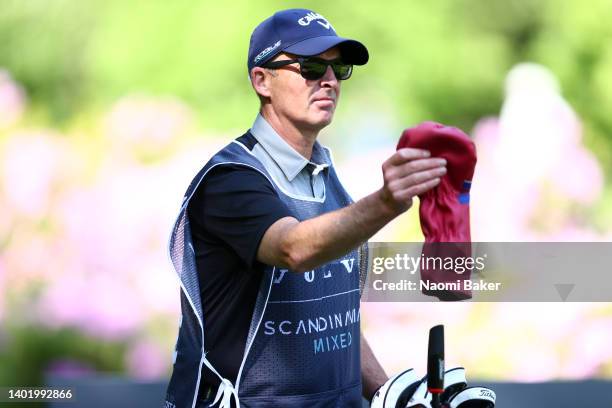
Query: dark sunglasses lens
x,y
313,69
342,71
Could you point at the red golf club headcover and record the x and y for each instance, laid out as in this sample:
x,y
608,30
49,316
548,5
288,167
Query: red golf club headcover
x,y
444,210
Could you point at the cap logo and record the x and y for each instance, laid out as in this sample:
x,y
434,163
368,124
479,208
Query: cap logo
x,y
267,51
312,16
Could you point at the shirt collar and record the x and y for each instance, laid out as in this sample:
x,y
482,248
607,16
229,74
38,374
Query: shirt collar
x,y
285,156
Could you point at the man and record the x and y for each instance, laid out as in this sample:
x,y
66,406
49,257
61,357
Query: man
x,y
268,245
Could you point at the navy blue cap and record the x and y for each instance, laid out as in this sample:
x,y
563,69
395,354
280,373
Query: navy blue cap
x,y
301,32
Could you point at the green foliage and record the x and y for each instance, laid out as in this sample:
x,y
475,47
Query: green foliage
x,y
433,60
27,351
43,44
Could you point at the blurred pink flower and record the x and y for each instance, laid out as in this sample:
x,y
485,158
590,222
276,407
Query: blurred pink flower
x,y
2,289
8,217
147,361
151,122
398,332
114,235
512,341
158,286
34,258
529,337
570,232
12,100
491,196
68,368
31,162
101,306
589,348
536,124
584,186
536,143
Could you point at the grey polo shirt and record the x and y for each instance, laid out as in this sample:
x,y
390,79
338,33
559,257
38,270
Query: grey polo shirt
x,y
292,172
229,213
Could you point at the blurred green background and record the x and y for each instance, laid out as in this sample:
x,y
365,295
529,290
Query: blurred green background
x,y
442,59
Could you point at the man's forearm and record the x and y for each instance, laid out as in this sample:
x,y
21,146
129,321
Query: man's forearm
x,y
301,246
321,239
372,374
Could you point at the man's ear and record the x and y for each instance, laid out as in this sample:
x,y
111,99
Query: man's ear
x,y
260,81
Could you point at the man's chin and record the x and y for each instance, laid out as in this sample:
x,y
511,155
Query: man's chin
x,y
319,122
324,119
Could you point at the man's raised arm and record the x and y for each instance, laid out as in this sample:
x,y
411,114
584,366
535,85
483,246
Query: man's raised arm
x,y
301,246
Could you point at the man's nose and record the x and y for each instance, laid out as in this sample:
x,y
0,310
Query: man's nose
x,y
329,79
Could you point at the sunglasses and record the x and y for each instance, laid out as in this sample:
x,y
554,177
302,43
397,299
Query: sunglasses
x,y
314,68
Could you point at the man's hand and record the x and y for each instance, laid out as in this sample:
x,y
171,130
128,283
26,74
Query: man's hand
x,y
408,173
373,375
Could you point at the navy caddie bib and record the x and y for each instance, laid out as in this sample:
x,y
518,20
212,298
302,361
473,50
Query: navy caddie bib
x,y
303,345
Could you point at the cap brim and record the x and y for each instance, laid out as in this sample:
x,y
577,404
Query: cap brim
x,y
353,52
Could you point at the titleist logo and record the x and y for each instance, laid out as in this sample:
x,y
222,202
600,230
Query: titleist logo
x,y
487,394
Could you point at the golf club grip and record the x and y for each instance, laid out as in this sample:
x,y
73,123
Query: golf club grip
x,y
435,360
